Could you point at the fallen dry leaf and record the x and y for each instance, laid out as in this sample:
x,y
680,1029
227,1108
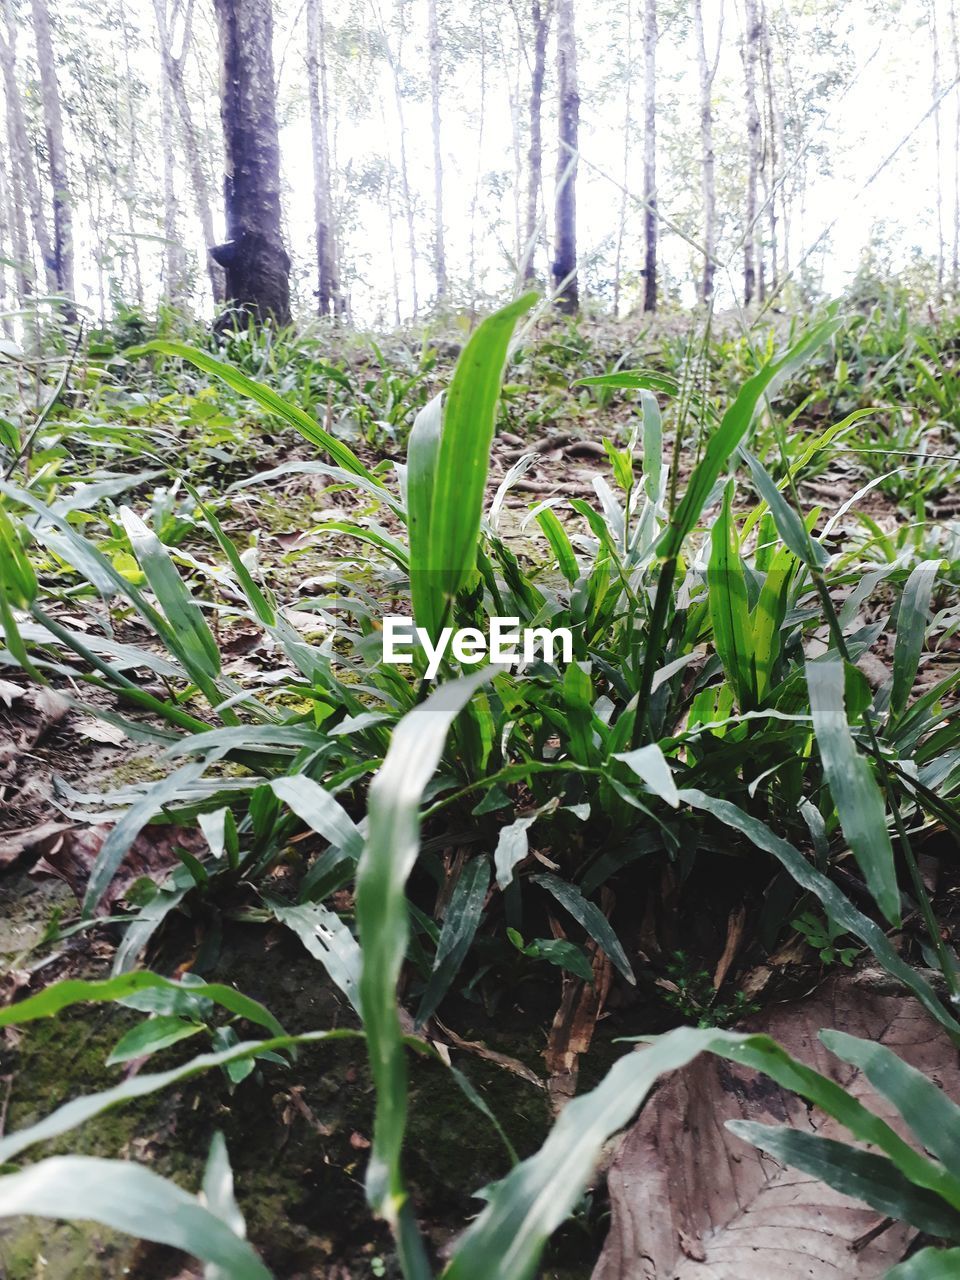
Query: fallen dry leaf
x,y
690,1201
70,855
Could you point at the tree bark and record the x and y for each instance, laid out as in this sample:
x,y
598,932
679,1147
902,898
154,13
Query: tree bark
x,y
707,72
541,15
21,164
173,69
173,260
650,155
955,53
627,135
938,142
56,156
328,287
439,255
565,281
749,53
255,262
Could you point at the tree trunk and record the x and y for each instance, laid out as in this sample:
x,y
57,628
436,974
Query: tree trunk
x,y
955,53
327,283
770,156
707,70
627,134
439,256
173,70
749,52
56,156
255,262
21,161
129,194
173,261
7,236
650,155
541,29
938,142
565,257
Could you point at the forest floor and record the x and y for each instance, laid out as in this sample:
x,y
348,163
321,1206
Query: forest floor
x,y
705,935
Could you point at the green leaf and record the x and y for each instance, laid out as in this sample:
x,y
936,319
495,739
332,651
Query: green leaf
x,y
327,939
858,799
837,904
61,995
928,1264
388,858
460,925
853,1172
129,1198
257,600
911,632
506,1240
789,523
729,609
651,767
733,427
320,811
195,645
423,452
122,835
560,544
81,1109
268,399
151,1036
463,458
633,380
590,916
931,1115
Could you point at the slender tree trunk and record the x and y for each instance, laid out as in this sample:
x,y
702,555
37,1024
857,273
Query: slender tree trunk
x,y
770,156
327,285
391,224
627,134
6,245
20,246
130,185
938,139
541,15
650,154
56,156
475,201
565,256
439,256
255,262
707,72
173,69
173,258
405,173
21,159
749,52
955,255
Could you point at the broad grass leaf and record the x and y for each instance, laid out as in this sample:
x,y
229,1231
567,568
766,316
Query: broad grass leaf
x,y
463,457
264,396
129,1198
856,793
837,904
854,1172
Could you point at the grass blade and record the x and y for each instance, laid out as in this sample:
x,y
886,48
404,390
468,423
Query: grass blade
x,y
128,1198
463,458
858,799
382,919
341,454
